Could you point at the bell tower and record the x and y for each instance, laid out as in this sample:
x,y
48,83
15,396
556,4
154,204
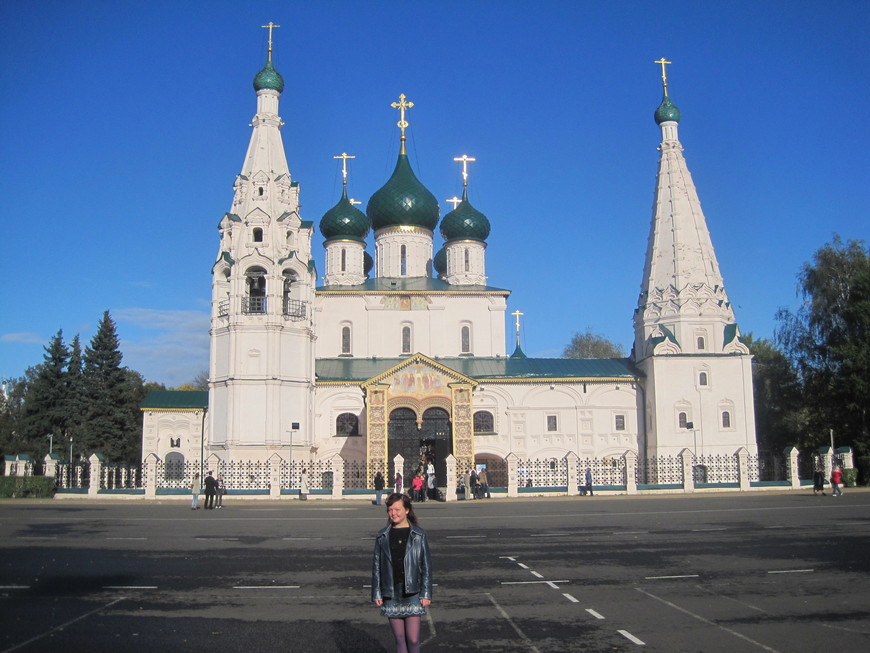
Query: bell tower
x,y
261,368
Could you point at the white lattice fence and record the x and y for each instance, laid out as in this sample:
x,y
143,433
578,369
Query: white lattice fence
x,y
660,470
605,471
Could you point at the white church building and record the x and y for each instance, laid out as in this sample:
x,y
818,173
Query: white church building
x,y
404,351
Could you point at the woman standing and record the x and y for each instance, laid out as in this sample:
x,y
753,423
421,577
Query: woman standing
x,y
402,573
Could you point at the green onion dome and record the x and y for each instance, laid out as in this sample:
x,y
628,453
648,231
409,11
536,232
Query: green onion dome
x,y
667,111
465,222
269,78
368,263
403,201
344,220
440,262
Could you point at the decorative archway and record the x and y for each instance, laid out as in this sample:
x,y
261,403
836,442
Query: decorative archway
x,y
420,441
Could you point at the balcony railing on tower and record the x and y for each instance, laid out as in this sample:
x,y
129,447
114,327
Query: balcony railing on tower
x,y
253,304
294,309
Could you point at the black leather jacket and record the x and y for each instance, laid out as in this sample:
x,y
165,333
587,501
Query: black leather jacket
x,y
418,565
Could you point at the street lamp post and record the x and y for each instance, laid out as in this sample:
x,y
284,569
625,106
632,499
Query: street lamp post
x,y
50,443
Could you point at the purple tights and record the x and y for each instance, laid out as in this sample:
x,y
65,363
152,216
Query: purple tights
x,y
407,634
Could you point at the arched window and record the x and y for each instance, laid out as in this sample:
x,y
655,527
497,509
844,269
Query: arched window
x,y
406,340
174,466
258,235
465,339
467,260
347,424
345,340
484,422
343,260
683,421
701,343
403,261
702,378
255,299
726,419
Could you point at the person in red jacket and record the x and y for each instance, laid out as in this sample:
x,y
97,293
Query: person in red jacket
x,y
836,479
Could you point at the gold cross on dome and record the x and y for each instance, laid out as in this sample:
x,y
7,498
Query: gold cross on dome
x,y
401,105
354,202
465,161
344,156
270,26
455,201
663,63
517,313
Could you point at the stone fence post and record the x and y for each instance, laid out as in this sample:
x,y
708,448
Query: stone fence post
x,y
846,454
399,468
571,461
791,454
688,472
336,464
450,490
95,474
51,461
630,458
275,462
149,476
513,463
743,468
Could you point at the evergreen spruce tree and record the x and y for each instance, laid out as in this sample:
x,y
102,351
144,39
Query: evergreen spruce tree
x,y
108,426
45,405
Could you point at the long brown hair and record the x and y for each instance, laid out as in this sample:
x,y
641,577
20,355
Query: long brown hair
x,y
406,502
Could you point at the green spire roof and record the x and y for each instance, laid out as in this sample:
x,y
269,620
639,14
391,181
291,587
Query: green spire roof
x,y
465,222
403,201
344,220
269,78
667,111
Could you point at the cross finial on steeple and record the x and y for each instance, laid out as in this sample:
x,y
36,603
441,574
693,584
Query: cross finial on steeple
x,y
517,313
663,63
269,27
455,201
465,159
401,105
354,202
344,156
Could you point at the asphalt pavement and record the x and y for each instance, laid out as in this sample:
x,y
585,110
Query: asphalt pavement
x,y
725,572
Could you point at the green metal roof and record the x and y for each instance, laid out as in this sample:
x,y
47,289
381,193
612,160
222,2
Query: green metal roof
x,y
465,222
175,400
412,285
269,78
344,220
357,370
403,200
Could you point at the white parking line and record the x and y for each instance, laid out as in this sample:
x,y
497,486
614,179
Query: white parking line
x,y
522,565
666,577
595,614
547,534
516,628
511,558
631,637
533,582
37,537
570,598
129,587
707,621
629,532
62,626
266,587
14,587
707,530
126,538
792,571
536,574
466,537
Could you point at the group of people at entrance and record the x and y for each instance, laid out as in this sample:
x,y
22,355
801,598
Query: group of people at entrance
x,y
474,484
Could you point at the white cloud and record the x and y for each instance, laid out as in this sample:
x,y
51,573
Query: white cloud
x,y
26,337
169,347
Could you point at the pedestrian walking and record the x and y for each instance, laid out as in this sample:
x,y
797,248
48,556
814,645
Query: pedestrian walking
x,y
431,486
210,491
379,488
402,573
588,480
836,480
483,482
303,485
194,492
819,481
221,491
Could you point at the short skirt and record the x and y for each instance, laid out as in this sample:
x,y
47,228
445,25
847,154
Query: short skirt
x,y
402,605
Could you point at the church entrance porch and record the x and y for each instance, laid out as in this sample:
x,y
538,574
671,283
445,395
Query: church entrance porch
x,y
424,443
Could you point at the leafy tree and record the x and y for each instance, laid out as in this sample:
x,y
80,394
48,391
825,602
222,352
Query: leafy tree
x,y
780,418
111,424
46,407
828,340
200,381
592,345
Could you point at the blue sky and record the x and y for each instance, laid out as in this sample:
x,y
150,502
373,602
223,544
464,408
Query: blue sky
x,y
125,123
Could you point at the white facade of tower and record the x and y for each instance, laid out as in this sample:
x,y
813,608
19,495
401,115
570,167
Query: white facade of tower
x,y
698,374
262,355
